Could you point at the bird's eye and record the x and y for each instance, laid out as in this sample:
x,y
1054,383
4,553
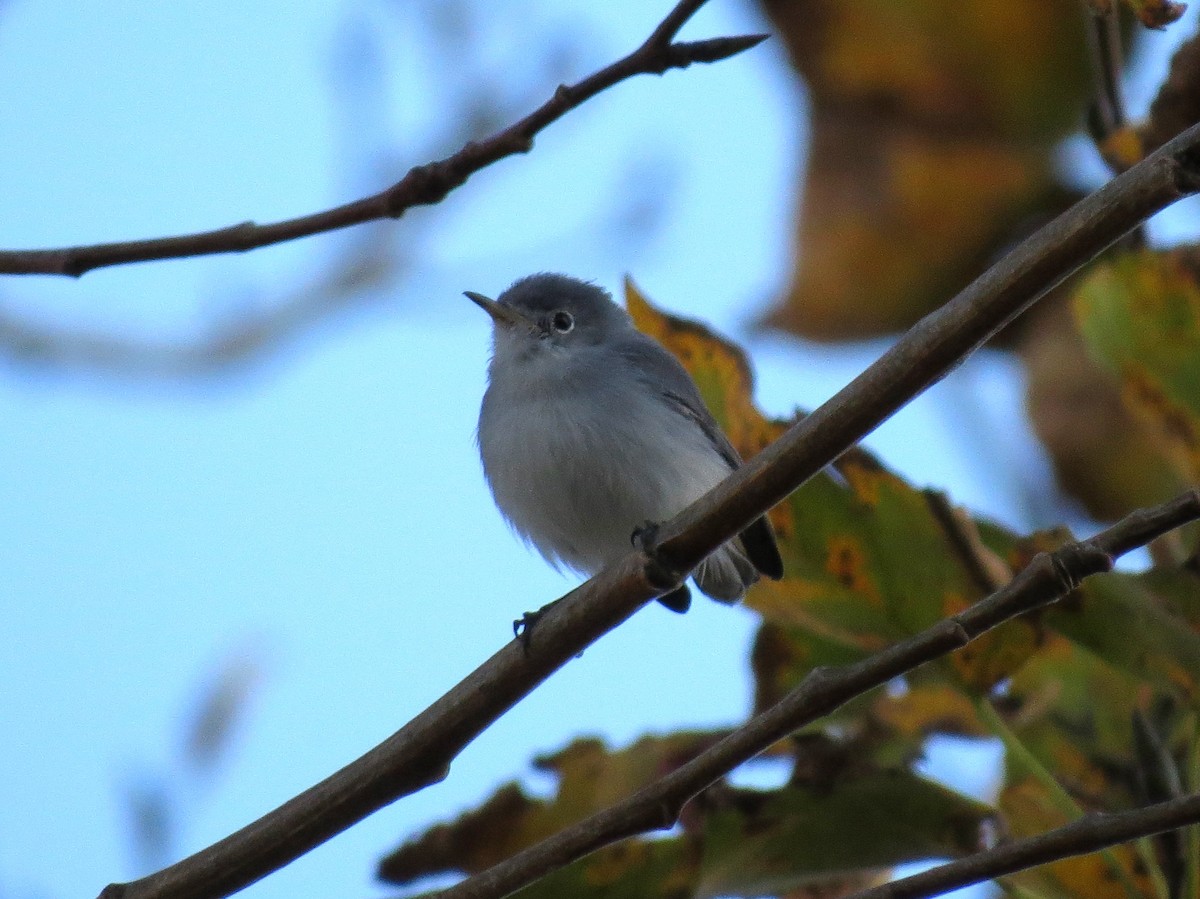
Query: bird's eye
x,y
562,322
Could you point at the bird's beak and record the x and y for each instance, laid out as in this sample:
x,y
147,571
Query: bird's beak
x,y
502,315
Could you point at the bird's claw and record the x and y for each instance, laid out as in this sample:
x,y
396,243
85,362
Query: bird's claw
x,y
523,626
644,537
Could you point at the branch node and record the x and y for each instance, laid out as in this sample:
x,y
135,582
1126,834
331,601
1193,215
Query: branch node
x,y
957,631
1187,170
1070,564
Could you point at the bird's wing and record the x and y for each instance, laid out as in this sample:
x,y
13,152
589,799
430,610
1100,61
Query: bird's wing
x,y
663,373
666,375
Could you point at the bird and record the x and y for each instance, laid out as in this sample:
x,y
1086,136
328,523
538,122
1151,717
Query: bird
x,y
590,432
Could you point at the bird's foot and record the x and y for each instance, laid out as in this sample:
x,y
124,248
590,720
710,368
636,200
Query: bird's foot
x,y
643,539
523,626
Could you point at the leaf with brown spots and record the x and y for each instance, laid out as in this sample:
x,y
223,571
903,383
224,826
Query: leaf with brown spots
x,y
1139,319
760,844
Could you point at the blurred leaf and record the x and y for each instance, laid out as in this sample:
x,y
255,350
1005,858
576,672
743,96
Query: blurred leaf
x,y
933,141
1151,643
590,778
631,869
762,843
221,709
1157,13
927,708
1103,455
1123,421
1072,749
1177,104
735,842
153,819
1140,317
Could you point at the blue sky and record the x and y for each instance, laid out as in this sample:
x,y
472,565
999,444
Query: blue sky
x,y
322,514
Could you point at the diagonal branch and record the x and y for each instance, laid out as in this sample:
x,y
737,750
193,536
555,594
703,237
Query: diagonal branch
x,y
423,185
1049,577
1089,834
420,753
932,348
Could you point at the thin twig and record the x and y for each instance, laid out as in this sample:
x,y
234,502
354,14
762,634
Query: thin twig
x,y
1089,834
423,185
420,753
1104,42
1049,577
987,570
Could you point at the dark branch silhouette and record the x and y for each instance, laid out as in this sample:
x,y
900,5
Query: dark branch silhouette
x,y
423,185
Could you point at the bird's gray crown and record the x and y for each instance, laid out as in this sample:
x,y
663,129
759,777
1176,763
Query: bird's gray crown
x,y
537,296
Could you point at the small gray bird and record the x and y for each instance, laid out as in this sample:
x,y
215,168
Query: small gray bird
x,y
590,430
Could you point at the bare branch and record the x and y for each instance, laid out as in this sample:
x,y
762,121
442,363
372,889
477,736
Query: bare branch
x,y
1104,44
1089,834
423,185
1048,578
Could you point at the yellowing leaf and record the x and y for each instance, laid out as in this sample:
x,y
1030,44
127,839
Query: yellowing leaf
x,y
762,844
1104,455
1074,749
1140,318
934,126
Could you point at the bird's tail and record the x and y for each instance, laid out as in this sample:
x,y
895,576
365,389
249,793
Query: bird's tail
x,y
726,574
731,570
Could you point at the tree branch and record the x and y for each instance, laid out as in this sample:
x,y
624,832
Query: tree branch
x,y
932,348
423,185
420,752
1104,44
1089,834
1049,577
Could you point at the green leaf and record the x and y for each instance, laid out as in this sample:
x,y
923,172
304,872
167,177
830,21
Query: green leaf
x,y
770,843
1140,317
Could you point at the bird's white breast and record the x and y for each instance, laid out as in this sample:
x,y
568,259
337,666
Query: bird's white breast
x,y
579,454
